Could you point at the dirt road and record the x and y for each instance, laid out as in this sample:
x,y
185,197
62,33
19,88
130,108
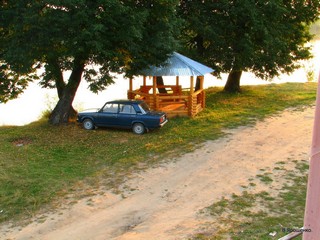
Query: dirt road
x,y
164,202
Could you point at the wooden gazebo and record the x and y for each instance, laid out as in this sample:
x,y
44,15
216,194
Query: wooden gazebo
x,y
173,99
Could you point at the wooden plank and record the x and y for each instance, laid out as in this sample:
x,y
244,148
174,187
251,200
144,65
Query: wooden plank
x,y
179,112
161,97
172,107
182,114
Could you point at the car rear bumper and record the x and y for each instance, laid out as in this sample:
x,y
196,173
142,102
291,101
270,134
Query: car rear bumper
x,y
163,123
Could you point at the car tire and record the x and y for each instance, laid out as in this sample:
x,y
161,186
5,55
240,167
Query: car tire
x,y
88,124
138,128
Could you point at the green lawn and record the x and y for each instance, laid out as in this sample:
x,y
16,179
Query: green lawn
x,y
41,164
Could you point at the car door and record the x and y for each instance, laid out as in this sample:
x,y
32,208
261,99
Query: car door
x,y
108,115
127,115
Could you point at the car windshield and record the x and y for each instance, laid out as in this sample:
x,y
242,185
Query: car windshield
x,y
144,107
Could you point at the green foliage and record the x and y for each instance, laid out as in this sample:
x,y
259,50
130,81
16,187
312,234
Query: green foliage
x,y
106,36
11,84
40,163
266,38
309,70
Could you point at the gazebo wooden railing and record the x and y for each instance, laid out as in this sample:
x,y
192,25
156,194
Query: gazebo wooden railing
x,y
174,100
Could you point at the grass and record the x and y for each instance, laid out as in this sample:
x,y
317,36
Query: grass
x,y
265,178
41,164
256,215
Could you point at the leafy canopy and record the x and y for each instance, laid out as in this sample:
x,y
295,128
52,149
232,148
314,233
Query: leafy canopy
x,y
108,35
264,37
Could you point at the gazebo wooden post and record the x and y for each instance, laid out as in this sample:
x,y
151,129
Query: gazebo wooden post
x,y
191,85
155,100
201,82
178,90
190,105
144,80
130,95
203,100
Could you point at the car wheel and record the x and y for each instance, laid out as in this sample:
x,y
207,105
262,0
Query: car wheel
x,y
138,128
88,124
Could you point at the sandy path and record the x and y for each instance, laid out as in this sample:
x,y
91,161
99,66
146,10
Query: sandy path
x,y
166,201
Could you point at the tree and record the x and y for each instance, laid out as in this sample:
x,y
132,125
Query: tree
x,y
265,37
87,39
11,84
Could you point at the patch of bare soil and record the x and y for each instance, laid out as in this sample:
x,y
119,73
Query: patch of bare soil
x,y
164,202
19,142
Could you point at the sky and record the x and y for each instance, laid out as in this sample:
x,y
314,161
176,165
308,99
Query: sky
x,y
30,105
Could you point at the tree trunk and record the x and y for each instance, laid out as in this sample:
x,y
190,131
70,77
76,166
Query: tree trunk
x,y
233,82
197,87
61,88
60,84
161,83
63,111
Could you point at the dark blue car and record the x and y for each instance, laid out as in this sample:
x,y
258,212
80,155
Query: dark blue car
x,y
131,114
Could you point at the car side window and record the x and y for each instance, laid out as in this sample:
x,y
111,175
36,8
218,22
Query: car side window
x,y
127,109
110,108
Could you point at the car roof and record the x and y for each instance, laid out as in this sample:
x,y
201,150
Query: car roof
x,y
126,101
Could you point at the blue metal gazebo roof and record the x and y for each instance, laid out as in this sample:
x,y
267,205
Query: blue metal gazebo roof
x,y
177,65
